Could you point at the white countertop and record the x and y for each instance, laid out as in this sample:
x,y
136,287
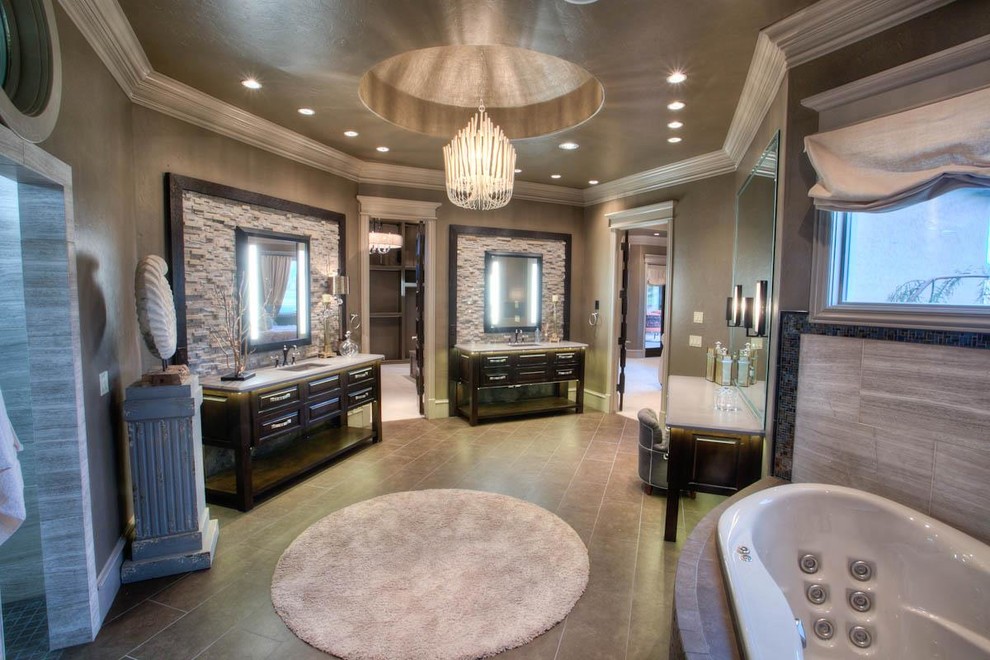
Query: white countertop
x,y
691,404
267,376
491,347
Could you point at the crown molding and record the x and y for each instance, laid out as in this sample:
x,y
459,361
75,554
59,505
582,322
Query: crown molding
x,y
641,216
936,64
691,169
397,209
812,32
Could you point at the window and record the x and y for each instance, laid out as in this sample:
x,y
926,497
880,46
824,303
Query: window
x,y
925,265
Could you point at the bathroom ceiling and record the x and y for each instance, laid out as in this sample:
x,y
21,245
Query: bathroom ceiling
x,y
313,53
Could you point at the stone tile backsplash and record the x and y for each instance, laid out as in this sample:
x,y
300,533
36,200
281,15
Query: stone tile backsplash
x,y
210,260
471,280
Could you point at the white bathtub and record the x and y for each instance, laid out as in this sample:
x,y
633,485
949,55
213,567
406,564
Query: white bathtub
x,y
927,594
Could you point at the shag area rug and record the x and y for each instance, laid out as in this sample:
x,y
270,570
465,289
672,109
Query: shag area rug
x,y
439,574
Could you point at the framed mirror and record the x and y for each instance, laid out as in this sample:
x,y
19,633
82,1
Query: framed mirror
x,y
273,273
752,269
513,291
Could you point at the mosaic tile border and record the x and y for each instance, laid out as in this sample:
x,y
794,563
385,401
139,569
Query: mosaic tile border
x,y
795,324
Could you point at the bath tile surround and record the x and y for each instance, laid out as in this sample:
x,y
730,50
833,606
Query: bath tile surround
x,y
900,419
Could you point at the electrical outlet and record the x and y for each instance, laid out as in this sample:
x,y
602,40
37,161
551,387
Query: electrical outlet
x,y
694,340
104,383
756,342
699,317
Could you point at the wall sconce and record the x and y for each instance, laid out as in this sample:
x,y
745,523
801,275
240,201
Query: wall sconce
x,y
734,307
339,286
756,326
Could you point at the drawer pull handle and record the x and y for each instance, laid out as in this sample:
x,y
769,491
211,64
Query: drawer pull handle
x,y
565,356
324,403
498,360
331,379
281,397
358,375
532,357
502,377
282,424
361,397
565,373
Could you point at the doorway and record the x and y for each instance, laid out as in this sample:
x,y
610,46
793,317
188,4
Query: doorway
x,y
641,241
398,302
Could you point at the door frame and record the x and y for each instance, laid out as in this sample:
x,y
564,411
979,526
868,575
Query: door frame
x,y
387,208
618,221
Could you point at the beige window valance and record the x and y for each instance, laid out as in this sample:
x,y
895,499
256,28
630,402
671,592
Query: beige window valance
x,y
903,159
656,275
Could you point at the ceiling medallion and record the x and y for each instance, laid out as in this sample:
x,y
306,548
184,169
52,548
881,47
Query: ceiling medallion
x,y
480,165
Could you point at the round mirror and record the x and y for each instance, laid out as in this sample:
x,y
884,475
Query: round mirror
x,y
30,68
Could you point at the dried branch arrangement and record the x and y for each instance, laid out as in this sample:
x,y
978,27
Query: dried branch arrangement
x,y
231,333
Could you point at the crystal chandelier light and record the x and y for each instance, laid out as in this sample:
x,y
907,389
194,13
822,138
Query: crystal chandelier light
x,y
480,165
381,242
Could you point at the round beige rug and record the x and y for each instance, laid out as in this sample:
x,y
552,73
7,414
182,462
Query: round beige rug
x,y
430,574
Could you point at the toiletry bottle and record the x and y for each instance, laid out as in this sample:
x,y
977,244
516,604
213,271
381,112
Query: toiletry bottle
x,y
742,378
710,365
726,369
717,375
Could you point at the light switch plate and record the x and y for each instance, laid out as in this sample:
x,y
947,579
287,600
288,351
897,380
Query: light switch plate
x,y
699,317
694,340
104,383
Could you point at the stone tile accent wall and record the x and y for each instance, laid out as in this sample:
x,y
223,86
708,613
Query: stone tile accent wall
x,y
471,280
210,260
910,422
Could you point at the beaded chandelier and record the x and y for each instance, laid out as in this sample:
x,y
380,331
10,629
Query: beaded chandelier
x,y
480,165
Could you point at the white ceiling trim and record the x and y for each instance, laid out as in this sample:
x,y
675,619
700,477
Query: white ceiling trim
x,y
815,31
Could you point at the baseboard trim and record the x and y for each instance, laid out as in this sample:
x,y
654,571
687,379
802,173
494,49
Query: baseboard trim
x,y
437,408
108,581
596,400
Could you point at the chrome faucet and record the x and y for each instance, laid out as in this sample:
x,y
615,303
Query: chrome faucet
x,y
285,355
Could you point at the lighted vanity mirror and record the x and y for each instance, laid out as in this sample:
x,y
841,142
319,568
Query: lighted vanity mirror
x,y
274,271
513,291
756,207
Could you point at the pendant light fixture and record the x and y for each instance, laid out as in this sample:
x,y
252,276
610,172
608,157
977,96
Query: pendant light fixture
x,y
480,165
380,241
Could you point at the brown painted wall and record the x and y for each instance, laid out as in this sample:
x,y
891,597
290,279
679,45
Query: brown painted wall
x,y
93,136
518,214
943,28
701,251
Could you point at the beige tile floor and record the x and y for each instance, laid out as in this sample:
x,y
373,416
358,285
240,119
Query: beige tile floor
x,y
583,467
642,386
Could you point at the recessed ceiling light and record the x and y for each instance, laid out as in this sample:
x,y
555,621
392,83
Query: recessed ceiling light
x,y
676,77
675,124
569,146
593,182
382,149
673,139
676,105
309,112
251,83
581,2
351,133
517,171
554,176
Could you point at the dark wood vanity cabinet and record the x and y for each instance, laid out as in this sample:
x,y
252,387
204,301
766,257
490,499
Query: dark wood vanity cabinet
x,y
265,437
507,383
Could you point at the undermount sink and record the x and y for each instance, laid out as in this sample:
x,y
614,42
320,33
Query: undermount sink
x,y
527,343
299,367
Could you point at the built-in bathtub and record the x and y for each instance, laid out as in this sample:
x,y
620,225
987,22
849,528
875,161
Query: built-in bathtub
x,y
854,575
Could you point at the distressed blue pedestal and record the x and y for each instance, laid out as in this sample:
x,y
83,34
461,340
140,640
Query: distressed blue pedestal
x,y
173,532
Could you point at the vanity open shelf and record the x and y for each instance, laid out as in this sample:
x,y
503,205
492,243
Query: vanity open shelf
x,y
507,380
265,433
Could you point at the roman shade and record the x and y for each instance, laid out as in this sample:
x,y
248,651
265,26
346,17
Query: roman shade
x,y
903,159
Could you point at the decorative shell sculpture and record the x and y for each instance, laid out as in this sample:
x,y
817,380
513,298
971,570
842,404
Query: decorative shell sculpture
x,y
155,307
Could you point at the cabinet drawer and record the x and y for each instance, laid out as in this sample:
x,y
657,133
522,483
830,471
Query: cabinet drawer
x,y
362,375
565,357
360,397
323,409
495,377
278,424
565,373
716,462
495,361
528,359
322,384
530,375
278,398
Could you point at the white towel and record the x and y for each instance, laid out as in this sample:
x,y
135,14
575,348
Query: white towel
x,y
12,512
